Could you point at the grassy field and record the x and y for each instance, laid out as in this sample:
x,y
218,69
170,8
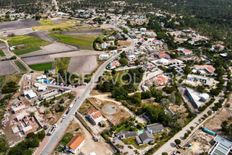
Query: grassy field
x,y
47,25
46,22
20,66
26,44
42,66
2,53
83,41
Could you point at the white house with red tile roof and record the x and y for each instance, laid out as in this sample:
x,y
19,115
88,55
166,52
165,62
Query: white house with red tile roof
x,y
113,64
94,116
204,69
184,51
76,143
160,80
163,55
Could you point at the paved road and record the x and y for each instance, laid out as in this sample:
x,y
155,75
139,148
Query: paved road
x,y
60,130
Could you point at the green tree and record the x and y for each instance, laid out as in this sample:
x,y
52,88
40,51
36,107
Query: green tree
x,y
119,93
146,95
123,61
10,87
41,135
177,141
136,98
157,94
4,146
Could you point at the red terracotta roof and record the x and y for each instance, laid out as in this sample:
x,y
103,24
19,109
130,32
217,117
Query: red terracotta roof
x,y
94,113
76,142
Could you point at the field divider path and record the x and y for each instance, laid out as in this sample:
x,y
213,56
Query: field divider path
x,y
17,57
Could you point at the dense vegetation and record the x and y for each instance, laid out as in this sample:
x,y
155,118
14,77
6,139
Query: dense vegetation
x,y
207,17
211,17
19,2
27,146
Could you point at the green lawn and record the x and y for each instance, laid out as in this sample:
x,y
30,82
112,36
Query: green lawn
x,y
64,141
42,66
132,141
2,53
26,44
20,66
83,41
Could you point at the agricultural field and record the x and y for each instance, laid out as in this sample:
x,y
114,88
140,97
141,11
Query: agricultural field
x,y
2,53
83,41
42,66
37,59
7,68
26,44
47,25
83,64
20,66
46,22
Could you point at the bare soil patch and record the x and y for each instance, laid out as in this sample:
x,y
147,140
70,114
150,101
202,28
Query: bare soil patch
x,y
83,64
7,68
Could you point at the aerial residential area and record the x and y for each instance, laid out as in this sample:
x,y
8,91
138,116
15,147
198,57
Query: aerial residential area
x,y
115,78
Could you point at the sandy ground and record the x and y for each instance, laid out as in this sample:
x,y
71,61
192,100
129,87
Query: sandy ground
x,y
100,148
83,64
118,115
37,59
222,115
7,67
105,97
201,141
